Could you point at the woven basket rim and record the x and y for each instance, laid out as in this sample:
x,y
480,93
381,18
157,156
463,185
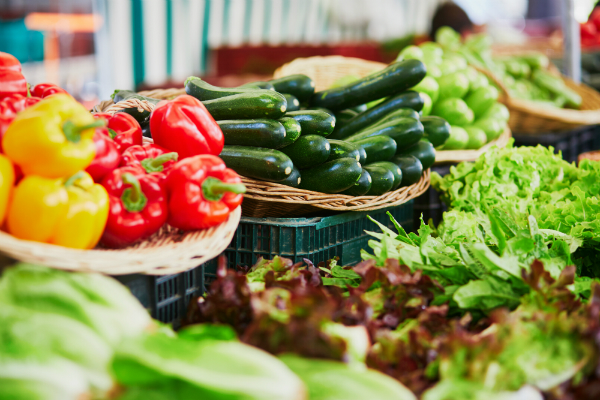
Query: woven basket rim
x,y
445,156
167,252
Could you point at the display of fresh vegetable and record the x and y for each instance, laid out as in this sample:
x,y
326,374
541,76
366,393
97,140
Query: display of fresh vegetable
x,y
68,212
138,205
10,106
151,157
107,156
185,126
43,90
457,92
12,80
53,138
202,192
123,129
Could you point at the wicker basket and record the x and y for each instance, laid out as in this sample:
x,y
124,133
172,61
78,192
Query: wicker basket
x,y
267,199
169,251
529,118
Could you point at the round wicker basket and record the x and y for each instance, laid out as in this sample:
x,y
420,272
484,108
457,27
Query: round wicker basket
x,y
267,199
530,118
169,251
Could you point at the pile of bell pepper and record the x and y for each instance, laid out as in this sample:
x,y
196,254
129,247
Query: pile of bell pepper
x,y
74,179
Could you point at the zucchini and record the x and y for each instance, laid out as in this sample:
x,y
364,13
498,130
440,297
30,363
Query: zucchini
x,y
378,148
254,132
145,125
293,179
374,115
362,154
394,169
362,185
255,104
297,85
396,78
359,109
258,85
292,130
321,109
257,162
399,113
140,116
342,117
341,149
382,180
437,130
332,177
411,168
423,150
204,91
405,131
313,122
308,151
292,102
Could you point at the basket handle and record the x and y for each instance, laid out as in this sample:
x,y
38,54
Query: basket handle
x,y
142,105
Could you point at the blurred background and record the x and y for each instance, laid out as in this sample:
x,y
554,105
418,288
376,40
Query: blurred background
x,y
90,47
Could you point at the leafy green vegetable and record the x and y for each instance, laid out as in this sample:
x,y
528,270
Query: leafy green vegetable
x,y
330,380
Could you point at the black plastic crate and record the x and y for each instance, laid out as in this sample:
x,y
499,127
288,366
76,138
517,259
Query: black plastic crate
x,y
429,205
570,143
166,297
317,239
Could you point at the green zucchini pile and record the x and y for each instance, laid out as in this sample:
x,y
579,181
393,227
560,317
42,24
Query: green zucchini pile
x,y
329,142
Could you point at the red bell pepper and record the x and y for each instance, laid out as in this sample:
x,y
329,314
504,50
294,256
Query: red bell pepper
x,y
138,206
151,157
202,191
123,129
184,125
8,61
107,156
10,106
44,90
12,82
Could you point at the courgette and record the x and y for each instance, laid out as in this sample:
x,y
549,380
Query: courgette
x,y
292,102
394,169
423,150
313,122
362,155
258,85
140,116
297,85
293,179
332,177
257,162
374,115
308,151
382,180
292,130
204,91
321,109
359,109
394,79
411,168
341,149
255,104
342,117
362,185
405,131
378,148
254,132
399,113
437,130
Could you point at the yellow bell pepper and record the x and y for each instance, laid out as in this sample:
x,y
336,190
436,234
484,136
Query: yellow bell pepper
x,y
7,181
52,138
68,212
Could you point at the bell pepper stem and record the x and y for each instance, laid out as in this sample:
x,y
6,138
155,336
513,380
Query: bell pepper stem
x,y
74,178
214,189
156,164
111,133
73,132
133,199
